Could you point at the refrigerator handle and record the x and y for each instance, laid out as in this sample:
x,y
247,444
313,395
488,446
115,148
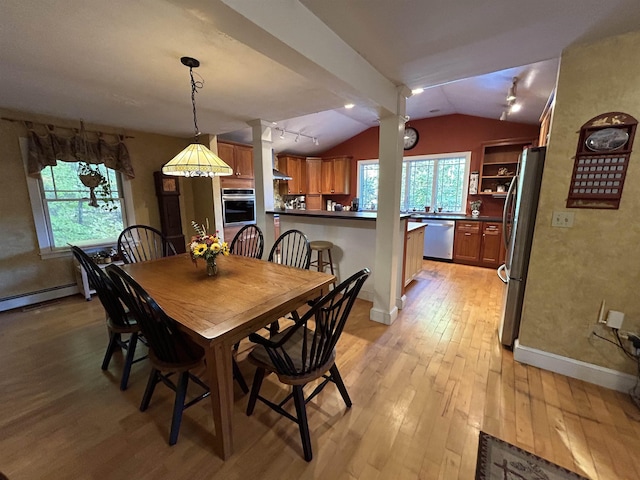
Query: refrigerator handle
x,y
505,211
502,269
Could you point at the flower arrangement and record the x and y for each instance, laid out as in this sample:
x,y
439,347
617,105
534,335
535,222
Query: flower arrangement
x,y
475,205
206,246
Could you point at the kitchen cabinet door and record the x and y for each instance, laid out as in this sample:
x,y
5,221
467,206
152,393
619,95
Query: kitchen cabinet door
x,y
243,167
314,176
239,158
466,243
336,174
491,243
295,167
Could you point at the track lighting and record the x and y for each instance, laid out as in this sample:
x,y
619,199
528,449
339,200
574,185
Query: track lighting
x,y
503,115
283,132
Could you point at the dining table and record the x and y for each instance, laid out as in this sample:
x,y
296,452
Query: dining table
x,y
218,311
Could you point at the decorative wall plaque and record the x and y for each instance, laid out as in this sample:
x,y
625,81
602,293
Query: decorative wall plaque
x,y
601,161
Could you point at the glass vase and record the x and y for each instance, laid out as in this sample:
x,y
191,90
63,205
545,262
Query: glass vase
x,y
212,267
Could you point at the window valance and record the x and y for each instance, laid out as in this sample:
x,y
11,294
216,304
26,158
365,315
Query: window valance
x,y
49,147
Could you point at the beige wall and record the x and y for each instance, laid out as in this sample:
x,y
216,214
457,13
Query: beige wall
x,y
573,270
21,269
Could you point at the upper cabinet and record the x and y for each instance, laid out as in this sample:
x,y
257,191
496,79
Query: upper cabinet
x,y
500,164
336,173
239,158
296,168
314,175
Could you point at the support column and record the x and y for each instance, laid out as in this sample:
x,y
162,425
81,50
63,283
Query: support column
x,y
388,258
263,172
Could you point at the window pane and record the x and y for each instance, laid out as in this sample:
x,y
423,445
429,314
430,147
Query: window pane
x,y
67,202
419,178
451,175
76,222
369,186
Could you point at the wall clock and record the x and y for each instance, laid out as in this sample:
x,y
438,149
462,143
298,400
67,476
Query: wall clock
x,y
410,138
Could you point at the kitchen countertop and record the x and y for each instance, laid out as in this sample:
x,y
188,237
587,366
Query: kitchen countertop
x,y
327,214
454,216
374,215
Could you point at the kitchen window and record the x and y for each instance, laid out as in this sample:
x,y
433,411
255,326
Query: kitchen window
x,y
427,180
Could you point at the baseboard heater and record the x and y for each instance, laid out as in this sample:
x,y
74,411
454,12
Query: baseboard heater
x,y
31,298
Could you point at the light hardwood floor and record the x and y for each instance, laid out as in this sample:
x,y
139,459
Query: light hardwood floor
x,y
421,390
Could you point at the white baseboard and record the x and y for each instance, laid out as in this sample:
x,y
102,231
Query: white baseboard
x,y
588,372
38,297
382,316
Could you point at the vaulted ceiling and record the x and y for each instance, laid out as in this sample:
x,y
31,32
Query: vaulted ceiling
x,y
286,61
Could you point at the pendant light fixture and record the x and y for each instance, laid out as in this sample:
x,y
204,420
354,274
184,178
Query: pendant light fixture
x,y
196,160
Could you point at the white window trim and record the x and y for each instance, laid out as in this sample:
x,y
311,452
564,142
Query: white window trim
x,y
47,250
465,188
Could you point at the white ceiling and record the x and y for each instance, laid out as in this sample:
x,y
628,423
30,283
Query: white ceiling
x,y
117,63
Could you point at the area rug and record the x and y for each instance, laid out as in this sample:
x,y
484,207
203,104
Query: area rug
x,y
499,460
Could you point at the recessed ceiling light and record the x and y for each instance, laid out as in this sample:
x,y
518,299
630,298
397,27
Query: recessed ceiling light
x,y
349,106
416,91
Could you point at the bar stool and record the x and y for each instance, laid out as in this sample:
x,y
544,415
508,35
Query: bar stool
x,y
320,246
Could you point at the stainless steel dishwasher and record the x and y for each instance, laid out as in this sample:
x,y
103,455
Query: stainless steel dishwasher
x,y
438,238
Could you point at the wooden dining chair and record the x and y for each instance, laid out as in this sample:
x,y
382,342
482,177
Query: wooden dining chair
x,y
170,350
140,243
305,352
248,242
293,249
119,321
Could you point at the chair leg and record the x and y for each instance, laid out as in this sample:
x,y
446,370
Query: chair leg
x,y
330,262
255,389
114,340
301,411
151,386
274,328
131,352
335,375
178,406
237,374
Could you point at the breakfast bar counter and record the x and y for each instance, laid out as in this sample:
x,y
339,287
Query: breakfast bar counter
x,y
353,235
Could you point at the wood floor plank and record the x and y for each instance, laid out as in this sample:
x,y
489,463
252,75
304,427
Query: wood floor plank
x,y
421,388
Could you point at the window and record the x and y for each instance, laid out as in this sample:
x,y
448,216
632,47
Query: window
x,y
61,212
427,180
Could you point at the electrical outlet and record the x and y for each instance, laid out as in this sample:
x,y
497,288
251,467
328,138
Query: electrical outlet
x,y
562,219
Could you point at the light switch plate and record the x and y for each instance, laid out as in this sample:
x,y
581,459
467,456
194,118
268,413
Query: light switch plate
x,y
562,219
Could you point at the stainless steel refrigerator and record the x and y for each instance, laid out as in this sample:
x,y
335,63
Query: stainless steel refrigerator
x,y
519,218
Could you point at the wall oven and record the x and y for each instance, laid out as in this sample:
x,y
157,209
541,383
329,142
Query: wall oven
x,y
238,206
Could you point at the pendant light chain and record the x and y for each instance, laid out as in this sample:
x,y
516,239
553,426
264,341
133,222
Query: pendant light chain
x,y
195,86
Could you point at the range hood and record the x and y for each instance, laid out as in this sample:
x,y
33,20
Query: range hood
x,y
278,175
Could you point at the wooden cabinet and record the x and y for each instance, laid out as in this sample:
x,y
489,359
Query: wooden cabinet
x,y
413,249
336,175
491,245
466,243
239,158
314,176
296,168
314,201
478,243
499,164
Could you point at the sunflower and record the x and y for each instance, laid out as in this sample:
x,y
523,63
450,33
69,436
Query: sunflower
x,y
200,249
215,247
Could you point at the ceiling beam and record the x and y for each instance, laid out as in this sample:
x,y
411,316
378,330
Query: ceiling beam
x,y
288,33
